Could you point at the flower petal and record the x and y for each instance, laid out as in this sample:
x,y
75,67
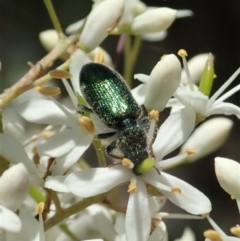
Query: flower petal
x,y
190,199
139,93
138,216
42,111
63,163
96,180
160,233
228,175
224,108
157,36
56,183
173,132
196,66
16,153
9,221
202,142
63,142
163,82
78,59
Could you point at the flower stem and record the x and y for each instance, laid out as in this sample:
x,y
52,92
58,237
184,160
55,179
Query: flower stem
x,y
130,56
98,148
75,208
54,18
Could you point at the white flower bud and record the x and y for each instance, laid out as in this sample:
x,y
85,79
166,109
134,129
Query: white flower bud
x,y
163,82
228,175
196,66
14,187
154,20
99,22
49,39
208,137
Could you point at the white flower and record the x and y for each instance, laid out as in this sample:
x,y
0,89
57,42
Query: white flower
x,y
160,85
208,137
103,17
205,106
69,144
100,180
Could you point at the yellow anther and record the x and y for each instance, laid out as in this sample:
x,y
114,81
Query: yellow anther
x,y
47,134
154,114
182,53
132,188
205,215
99,57
39,208
214,76
190,151
59,74
48,90
235,231
176,190
87,124
212,235
127,163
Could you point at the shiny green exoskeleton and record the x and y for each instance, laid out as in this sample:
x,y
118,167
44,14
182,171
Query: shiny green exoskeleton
x,y
110,98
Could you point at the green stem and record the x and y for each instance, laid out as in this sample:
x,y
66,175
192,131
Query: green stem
x,y
127,68
68,232
54,18
100,155
44,79
75,208
131,55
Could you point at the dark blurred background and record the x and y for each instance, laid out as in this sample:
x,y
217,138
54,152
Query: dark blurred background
x,y
215,27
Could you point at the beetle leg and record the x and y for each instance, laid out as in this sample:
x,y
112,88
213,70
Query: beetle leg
x,y
111,147
106,135
144,112
81,109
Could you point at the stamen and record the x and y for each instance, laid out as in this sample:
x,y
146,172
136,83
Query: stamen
x,y
127,163
223,87
235,230
154,114
132,188
183,53
47,134
48,90
212,235
228,94
99,57
87,124
70,92
191,151
59,74
39,208
232,197
176,190
205,215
